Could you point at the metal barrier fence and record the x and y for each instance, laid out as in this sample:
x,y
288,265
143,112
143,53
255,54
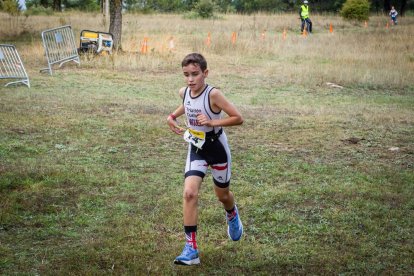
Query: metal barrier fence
x,y
60,47
11,66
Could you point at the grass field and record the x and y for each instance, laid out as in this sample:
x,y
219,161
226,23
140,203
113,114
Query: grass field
x,y
91,176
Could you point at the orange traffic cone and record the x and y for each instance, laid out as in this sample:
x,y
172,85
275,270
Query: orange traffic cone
x,y
144,46
233,38
284,34
208,40
330,28
171,45
305,33
387,25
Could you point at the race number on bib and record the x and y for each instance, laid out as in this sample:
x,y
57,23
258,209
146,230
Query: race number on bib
x,y
195,137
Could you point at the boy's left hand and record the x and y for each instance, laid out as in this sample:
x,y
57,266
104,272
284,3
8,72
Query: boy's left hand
x,y
203,120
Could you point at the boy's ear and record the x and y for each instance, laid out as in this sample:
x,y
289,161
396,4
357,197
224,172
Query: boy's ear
x,y
205,73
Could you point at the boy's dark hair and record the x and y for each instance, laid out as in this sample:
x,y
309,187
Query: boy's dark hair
x,y
195,58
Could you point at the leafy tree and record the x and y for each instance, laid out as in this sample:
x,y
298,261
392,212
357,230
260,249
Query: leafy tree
x,y
12,7
205,8
327,5
165,5
224,5
241,6
88,5
189,4
355,10
44,3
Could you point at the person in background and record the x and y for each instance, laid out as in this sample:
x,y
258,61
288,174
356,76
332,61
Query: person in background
x,y
393,15
304,16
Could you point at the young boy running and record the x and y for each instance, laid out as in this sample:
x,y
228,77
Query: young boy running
x,y
203,105
393,14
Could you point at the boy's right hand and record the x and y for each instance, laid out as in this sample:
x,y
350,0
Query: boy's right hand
x,y
174,126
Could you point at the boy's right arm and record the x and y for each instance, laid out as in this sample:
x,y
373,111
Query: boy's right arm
x,y
172,118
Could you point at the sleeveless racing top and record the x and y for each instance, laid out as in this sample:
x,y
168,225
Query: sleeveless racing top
x,y
200,105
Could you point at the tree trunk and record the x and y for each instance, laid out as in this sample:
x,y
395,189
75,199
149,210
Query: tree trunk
x,y
115,25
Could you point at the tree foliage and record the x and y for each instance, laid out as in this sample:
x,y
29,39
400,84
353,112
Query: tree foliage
x,y
355,10
251,6
205,8
12,7
84,5
240,6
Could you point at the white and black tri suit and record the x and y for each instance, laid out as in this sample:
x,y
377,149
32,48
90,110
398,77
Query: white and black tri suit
x,y
215,152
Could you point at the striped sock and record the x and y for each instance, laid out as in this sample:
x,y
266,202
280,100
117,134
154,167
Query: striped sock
x,y
231,213
190,235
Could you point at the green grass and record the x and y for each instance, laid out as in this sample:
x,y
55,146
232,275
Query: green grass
x,y
91,176
91,181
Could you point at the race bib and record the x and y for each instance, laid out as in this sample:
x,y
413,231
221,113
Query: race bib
x,y
195,137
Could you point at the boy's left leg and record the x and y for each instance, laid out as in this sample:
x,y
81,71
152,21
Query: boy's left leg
x,y
221,172
235,226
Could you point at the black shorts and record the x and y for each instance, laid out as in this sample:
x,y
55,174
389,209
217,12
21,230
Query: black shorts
x,y
215,154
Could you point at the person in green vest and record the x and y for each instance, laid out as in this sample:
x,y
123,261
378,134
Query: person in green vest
x,y
304,16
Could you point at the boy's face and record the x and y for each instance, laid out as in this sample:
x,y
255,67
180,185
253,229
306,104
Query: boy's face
x,y
195,77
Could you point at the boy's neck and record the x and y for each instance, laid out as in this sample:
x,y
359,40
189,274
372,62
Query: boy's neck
x,y
196,93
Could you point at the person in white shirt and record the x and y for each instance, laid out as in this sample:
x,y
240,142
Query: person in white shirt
x,y
393,14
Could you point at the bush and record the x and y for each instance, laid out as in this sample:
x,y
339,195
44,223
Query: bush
x,y
39,10
355,10
87,5
205,8
10,6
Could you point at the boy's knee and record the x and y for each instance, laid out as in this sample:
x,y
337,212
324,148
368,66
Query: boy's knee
x,y
190,195
224,197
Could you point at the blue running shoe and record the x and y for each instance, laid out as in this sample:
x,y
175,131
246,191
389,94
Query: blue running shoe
x,y
189,256
235,226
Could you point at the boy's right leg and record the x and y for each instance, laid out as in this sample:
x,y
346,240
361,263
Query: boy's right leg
x,y
192,186
189,256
